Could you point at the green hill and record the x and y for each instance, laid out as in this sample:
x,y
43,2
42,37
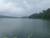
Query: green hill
x,y
45,14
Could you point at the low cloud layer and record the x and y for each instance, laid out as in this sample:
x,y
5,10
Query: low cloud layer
x,y
22,7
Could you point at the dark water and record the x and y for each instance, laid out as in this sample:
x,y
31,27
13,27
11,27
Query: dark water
x,y
25,28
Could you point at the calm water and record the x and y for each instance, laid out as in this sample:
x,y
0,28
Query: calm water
x,y
24,28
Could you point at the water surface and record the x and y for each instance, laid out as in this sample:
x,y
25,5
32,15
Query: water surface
x,y
25,27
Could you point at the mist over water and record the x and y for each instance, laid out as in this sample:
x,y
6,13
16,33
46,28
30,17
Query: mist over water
x,y
16,18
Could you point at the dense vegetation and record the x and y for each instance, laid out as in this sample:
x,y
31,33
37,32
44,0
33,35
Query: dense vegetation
x,y
45,14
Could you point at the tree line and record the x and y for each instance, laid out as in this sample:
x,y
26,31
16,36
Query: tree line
x,y
44,15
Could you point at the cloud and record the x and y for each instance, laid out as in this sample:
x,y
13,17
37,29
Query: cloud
x,y
22,7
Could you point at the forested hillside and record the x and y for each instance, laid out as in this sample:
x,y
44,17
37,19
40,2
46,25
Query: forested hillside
x,y
45,14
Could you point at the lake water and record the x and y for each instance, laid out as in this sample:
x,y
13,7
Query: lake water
x,y
24,28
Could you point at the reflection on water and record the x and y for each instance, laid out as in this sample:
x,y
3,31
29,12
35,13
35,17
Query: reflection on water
x,y
24,28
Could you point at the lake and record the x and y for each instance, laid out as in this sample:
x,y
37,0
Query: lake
x,y
25,27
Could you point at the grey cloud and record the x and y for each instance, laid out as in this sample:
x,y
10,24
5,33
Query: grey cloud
x,y
23,7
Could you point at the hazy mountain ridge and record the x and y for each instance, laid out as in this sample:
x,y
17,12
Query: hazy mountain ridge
x,y
3,16
45,14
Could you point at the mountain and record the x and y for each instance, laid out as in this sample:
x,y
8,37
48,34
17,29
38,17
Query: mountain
x,y
45,14
2,16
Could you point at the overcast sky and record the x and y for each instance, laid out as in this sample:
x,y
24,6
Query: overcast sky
x,y
22,7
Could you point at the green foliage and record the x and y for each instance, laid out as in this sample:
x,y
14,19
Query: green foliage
x,y
45,14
